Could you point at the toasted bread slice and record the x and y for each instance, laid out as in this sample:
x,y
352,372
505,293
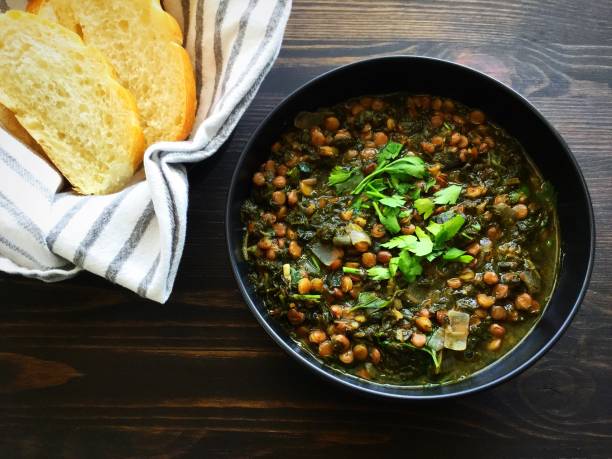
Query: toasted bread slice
x,y
144,44
9,123
65,94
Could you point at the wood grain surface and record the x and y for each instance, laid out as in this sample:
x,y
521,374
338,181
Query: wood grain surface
x,y
88,369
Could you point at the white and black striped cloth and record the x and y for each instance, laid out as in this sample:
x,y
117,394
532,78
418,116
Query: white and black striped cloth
x,y
135,238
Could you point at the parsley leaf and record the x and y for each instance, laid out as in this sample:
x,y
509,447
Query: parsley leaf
x,y
379,273
343,179
415,194
389,201
408,165
424,246
393,201
409,266
339,174
429,183
455,254
401,242
447,230
405,213
420,245
424,206
448,195
369,300
393,266
388,217
389,152
400,187
378,184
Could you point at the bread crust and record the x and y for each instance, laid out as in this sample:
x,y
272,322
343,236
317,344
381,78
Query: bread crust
x,y
190,97
34,6
190,102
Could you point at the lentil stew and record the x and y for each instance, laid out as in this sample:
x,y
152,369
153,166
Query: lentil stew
x,y
402,239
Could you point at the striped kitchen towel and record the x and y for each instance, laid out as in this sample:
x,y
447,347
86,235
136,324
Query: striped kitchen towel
x,y
135,237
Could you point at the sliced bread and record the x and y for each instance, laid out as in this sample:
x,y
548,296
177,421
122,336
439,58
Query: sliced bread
x,y
65,94
144,44
9,123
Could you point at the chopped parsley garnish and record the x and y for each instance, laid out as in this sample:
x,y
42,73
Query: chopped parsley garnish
x,y
400,242
447,230
424,206
420,245
389,201
339,174
448,195
344,179
455,254
409,266
388,217
389,152
407,166
379,273
424,245
369,300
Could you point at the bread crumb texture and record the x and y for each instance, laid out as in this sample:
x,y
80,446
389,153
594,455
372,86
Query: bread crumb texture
x,y
144,45
65,94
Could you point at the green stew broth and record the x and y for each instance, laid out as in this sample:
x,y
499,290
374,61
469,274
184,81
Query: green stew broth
x,y
402,239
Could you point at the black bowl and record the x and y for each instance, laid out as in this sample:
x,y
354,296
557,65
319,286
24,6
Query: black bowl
x,y
505,107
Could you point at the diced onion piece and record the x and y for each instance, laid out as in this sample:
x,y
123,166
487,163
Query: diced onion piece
x,y
342,240
325,253
357,234
436,341
287,272
486,245
455,336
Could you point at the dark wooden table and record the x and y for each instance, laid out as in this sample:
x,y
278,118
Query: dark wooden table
x,y
88,369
